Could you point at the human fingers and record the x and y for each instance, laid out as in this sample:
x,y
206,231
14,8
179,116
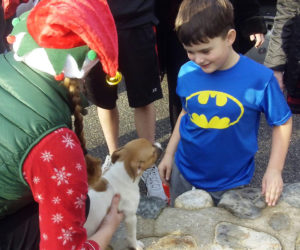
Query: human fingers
x,y
168,173
272,194
164,168
114,207
272,186
276,196
269,197
115,202
113,217
162,174
259,38
161,171
263,187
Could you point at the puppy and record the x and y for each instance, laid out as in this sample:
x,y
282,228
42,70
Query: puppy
x,y
129,163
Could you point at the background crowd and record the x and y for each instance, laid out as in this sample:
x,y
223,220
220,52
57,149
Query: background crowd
x,y
148,51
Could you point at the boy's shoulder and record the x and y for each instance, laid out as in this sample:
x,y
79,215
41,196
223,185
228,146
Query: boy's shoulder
x,y
254,68
189,66
254,64
245,66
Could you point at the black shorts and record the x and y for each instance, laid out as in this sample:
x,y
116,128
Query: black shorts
x,y
138,62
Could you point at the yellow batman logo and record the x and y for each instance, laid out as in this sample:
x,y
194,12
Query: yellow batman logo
x,y
229,107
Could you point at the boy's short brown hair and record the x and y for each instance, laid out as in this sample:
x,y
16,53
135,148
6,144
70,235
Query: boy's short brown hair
x,y
200,20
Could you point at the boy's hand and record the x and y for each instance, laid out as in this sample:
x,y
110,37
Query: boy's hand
x,y
272,185
165,168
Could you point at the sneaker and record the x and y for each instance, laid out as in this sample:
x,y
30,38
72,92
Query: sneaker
x,y
153,183
107,164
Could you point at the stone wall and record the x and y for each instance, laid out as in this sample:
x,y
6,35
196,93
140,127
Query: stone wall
x,y
240,221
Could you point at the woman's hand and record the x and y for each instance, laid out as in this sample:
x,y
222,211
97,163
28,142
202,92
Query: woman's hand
x,y
109,224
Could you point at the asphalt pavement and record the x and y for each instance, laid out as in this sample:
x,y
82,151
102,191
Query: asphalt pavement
x,y
96,144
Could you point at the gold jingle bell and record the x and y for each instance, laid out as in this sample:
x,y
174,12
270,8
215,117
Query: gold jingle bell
x,y
115,79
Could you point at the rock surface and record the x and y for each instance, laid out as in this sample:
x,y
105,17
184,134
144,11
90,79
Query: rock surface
x,y
194,199
245,203
198,225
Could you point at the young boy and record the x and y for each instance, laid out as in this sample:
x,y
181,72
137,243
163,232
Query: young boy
x,y
223,94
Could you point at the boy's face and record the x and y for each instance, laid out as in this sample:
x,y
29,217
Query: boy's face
x,y
215,55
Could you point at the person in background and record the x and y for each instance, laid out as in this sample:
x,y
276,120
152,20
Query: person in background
x,y
44,165
135,22
223,93
283,53
249,25
11,8
2,30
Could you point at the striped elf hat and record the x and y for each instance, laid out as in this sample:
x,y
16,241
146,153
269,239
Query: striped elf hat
x,y
65,38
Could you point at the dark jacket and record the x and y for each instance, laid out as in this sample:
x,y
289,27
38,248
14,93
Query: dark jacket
x,y
284,46
247,20
132,13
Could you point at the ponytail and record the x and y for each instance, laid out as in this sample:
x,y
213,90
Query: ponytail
x,y
93,164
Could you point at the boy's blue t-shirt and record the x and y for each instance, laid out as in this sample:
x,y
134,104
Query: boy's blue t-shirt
x,y
219,132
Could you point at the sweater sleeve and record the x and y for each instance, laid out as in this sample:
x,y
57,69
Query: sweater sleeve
x,y
276,54
56,173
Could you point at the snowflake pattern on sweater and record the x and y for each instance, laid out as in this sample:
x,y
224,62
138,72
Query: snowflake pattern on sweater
x,y
56,173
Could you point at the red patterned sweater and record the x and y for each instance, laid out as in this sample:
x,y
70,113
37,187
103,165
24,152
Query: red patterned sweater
x,y
56,173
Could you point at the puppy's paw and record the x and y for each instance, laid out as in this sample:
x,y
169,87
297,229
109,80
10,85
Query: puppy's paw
x,y
139,246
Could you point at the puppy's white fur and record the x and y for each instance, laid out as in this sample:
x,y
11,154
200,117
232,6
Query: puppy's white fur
x,y
123,178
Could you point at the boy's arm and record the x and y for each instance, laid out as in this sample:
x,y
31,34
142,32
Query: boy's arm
x,y
272,181
165,166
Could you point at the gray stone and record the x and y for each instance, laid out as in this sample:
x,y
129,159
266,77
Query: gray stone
x,y
215,228
291,194
145,227
150,207
238,237
297,244
198,223
194,199
279,221
245,203
174,242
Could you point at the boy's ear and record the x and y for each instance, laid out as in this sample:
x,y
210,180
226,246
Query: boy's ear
x,y
231,36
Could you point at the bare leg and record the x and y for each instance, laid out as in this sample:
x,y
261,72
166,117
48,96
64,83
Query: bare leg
x,y
109,120
145,121
145,126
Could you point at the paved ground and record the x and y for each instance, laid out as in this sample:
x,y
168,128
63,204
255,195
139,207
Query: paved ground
x,y
96,144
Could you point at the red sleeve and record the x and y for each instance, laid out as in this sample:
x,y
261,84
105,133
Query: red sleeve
x,y
56,173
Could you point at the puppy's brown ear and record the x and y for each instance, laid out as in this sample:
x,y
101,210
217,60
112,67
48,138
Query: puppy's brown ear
x,y
132,167
116,155
93,169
